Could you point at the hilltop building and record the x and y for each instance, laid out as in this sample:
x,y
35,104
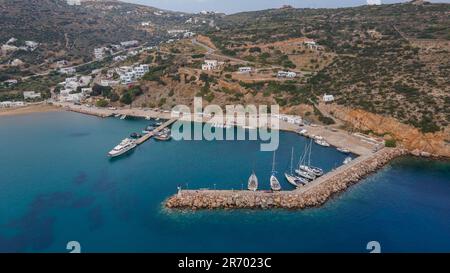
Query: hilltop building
x,y
31,95
328,98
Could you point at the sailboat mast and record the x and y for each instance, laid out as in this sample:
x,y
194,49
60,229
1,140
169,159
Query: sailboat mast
x,y
309,156
273,162
292,158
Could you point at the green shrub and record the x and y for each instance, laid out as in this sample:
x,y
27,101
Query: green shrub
x,y
390,143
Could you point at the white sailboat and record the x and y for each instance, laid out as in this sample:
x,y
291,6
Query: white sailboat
x,y
301,172
252,182
307,167
291,178
274,183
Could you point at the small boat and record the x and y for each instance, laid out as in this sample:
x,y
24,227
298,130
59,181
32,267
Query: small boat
x,y
303,132
117,115
147,118
322,143
157,119
343,150
135,135
161,136
274,183
158,123
150,128
146,132
347,160
252,182
123,117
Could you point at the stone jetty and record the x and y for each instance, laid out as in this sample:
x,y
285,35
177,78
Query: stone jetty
x,y
314,194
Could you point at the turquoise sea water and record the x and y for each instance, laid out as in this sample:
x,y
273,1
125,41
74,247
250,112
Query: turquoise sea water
x,y
57,185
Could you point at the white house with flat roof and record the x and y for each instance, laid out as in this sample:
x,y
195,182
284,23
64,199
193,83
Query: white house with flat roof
x,y
245,69
328,98
67,70
286,74
210,65
31,95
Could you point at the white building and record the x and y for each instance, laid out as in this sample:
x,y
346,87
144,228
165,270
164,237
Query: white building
x,y
109,83
140,71
74,2
86,91
67,70
210,65
129,43
85,80
99,53
286,74
245,69
61,63
31,95
31,45
10,82
189,34
146,24
120,58
11,104
311,44
328,98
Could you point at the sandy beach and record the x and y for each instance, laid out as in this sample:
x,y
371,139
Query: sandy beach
x,y
29,109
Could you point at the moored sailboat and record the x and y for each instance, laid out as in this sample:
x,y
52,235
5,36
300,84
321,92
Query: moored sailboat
x,y
274,183
291,178
252,182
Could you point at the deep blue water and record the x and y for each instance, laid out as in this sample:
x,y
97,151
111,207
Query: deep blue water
x,y
57,185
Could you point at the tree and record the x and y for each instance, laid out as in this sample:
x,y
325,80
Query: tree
x,y
114,97
101,103
126,98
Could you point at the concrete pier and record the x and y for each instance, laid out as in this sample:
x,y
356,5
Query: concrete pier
x,y
146,137
314,194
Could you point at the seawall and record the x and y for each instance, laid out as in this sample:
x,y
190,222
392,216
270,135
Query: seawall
x,y
312,195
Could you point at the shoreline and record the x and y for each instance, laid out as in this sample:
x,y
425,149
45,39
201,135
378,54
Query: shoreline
x,y
335,137
29,109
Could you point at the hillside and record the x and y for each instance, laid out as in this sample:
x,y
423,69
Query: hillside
x,y
390,59
71,33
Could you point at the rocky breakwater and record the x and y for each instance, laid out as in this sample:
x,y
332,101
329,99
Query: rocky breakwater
x,y
315,194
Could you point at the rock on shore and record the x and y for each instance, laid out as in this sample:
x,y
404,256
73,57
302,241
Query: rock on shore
x,y
315,195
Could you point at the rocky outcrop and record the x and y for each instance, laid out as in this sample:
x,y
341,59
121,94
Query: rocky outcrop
x,y
313,195
435,144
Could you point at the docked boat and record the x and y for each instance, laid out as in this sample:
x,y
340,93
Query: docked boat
x,y
123,117
303,132
291,178
343,150
347,160
322,143
117,115
306,166
147,118
307,175
252,182
123,147
158,123
274,183
296,181
164,135
135,135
